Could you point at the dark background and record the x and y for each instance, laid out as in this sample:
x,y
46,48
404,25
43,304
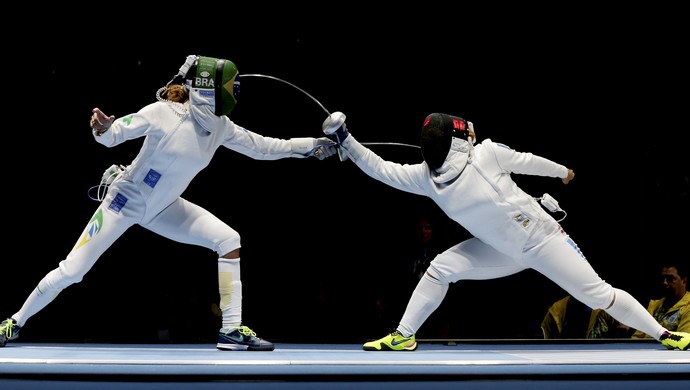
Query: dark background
x,y
603,92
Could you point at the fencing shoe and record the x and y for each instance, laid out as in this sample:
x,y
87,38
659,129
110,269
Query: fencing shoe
x,y
676,340
393,342
9,330
241,338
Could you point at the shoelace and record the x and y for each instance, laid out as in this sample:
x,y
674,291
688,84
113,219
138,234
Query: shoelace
x,y
674,337
246,331
397,334
7,329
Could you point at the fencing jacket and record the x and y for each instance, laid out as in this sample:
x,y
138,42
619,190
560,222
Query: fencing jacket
x,y
474,188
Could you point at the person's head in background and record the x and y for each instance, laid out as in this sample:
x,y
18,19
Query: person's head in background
x,y
425,229
674,280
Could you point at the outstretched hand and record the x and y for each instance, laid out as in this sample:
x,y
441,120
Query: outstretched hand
x,y
567,179
324,148
100,122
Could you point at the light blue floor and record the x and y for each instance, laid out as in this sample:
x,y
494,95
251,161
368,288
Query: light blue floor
x,y
472,366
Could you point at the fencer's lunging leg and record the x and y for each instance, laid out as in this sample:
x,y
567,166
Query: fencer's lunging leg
x,y
102,230
230,289
627,310
426,298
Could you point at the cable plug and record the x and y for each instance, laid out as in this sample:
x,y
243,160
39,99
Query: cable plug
x,y
550,203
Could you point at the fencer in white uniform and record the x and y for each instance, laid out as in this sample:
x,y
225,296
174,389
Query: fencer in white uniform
x,y
511,231
181,136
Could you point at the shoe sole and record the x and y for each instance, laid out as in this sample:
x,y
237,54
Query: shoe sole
x,y
238,347
385,347
678,349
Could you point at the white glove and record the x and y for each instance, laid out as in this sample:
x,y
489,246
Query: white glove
x,y
324,148
320,148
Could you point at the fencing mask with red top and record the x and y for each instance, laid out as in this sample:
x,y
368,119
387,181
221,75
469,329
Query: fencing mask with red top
x,y
438,132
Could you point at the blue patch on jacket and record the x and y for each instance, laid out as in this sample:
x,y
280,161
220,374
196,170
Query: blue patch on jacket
x,y
118,203
152,178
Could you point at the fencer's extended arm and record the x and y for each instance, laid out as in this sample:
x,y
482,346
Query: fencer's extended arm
x,y
407,177
320,148
257,146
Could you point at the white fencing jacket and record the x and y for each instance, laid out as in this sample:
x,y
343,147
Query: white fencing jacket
x,y
474,188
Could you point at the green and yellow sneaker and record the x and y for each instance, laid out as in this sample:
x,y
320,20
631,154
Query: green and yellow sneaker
x,y
676,340
393,342
9,330
241,339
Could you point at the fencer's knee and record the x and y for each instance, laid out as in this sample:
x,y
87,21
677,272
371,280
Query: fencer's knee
x,y
58,279
597,296
228,244
434,276
234,254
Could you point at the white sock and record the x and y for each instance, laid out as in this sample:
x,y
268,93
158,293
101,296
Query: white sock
x,y
628,311
426,298
230,289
